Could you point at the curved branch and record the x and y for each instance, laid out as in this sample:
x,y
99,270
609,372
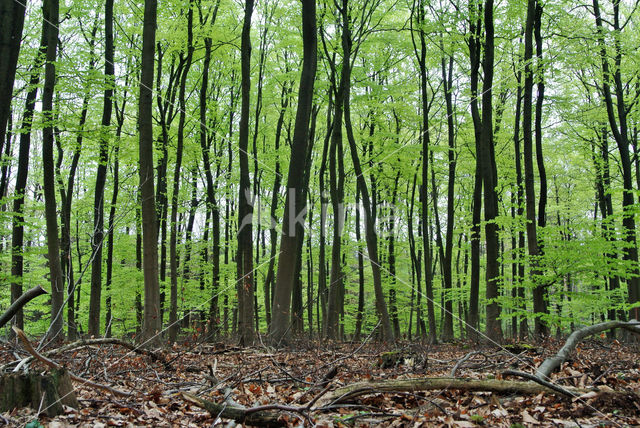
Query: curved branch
x,y
551,364
20,302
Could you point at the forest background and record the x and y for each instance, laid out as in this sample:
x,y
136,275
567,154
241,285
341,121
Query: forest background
x,y
466,167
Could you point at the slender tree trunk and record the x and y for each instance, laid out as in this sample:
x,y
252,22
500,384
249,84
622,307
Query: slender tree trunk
x,y
336,190
295,202
17,234
494,328
542,173
418,10
152,321
539,292
393,305
245,210
323,292
447,255
110,227
173,240
277,180
51,11
370,232
360,313
101,177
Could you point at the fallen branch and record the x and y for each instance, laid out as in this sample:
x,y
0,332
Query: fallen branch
x,y
259,415
425,384
20,302
53,364
551,364
263,417
94,342
536,379
461,362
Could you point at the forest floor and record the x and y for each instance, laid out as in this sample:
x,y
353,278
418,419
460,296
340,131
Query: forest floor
x,y
290,379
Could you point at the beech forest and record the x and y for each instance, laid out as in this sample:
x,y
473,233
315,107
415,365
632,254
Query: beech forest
x,y
319,213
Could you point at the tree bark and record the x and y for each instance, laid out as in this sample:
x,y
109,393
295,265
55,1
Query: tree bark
x,y
617,116
101,177
418,10
295,203
539,293
17,230
12,15
51,12
173,240
245,284
490,181
152,321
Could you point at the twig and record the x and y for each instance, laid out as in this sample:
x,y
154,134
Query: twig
x,y
461,361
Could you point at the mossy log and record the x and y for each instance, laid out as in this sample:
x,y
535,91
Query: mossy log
x,y
45,392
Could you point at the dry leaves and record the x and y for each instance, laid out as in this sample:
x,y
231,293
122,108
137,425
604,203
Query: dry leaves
x,y
255,377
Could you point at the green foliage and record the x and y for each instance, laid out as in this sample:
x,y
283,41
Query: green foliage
x,y
581,250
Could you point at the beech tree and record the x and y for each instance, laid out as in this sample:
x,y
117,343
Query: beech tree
x,y
294,206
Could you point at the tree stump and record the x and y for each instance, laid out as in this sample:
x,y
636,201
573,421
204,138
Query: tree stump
x,y
46,392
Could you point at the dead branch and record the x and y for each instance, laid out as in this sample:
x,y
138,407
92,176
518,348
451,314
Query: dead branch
x,y
53,364
461,362
20,302
536,379
96,342
551,364
263,417
425,384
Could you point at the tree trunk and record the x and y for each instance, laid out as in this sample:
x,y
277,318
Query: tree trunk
x,y
488,164
39,391
17,234
539,293
277,180
173,240
295,203
245,284
50,10
447,256
152,321
421,54
619,127
101,177
12,15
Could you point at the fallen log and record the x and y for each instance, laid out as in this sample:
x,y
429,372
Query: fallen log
x,y
53,364
20,302
246,416
425,384
549,365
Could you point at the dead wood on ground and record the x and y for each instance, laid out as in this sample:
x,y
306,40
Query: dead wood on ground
x,y
53,364
551,364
